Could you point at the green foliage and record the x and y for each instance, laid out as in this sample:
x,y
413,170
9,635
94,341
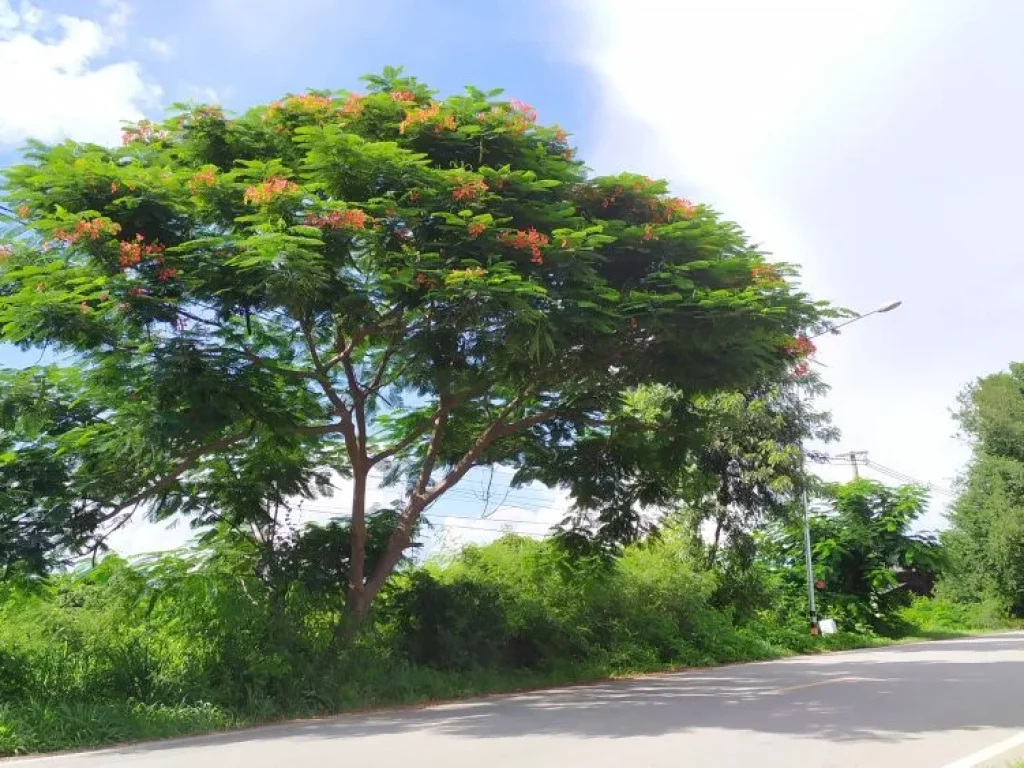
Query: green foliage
x,y
335,282
858,546
986,540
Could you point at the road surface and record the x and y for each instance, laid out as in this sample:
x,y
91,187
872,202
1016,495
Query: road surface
x,y
948,704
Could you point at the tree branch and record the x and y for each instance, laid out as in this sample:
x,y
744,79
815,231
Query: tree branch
x,y
185,464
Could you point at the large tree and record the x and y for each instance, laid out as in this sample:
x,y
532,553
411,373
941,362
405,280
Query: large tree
x,y
348,283
986,539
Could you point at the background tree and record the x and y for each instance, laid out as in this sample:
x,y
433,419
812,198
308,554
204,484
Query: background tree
x,y
859,541
986,540
359,283
731,459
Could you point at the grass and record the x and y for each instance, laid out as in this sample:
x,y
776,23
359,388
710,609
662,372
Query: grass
x,y
44,726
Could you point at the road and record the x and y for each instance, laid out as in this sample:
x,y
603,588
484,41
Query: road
x,y
947,704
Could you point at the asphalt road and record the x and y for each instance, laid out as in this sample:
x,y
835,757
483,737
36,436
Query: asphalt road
x,y
949,704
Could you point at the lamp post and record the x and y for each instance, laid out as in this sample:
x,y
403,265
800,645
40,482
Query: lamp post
x,y
808,564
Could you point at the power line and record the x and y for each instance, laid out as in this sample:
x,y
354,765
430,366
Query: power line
x,y
889,472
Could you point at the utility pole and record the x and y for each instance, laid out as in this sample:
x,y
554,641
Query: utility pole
x,y
854,456
808,563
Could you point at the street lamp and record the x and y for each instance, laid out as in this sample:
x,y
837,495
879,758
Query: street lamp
x,y
812,608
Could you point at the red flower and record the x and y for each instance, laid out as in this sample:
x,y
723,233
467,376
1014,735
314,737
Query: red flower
x,y
476,228
167,273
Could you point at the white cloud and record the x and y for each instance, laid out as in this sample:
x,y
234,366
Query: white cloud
x,y
52,89
160,48
846,137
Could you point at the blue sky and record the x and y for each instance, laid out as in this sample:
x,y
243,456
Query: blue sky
x,y
874,143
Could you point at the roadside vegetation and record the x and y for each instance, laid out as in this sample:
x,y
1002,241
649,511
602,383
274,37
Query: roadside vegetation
x,y
237,314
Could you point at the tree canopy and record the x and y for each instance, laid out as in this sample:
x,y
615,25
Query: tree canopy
x,y
986,540
237,309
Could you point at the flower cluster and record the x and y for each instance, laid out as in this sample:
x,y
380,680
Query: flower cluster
x,y
204,178
649,233
131,252
352,106
350,218
166,273
145,131
88,229
764,273
518,117
402,96
799,348
421,115
430,113
469,190
476,228
22,211
265,192
530,239
309,102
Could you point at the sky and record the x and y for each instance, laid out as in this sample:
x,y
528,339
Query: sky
x,y
875,144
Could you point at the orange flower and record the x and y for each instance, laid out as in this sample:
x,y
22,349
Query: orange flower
x,y
22,211
350,218
144,131
84,308
421,115
530,239
649,233
469,190
402,96
167,273
476,228
114,186
265,192
131,252
353,106
204,178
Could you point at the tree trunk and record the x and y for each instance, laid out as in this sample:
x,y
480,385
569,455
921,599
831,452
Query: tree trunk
x,y
713,552
357,601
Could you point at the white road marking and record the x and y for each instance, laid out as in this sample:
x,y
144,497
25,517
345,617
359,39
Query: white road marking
x,y
988,753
